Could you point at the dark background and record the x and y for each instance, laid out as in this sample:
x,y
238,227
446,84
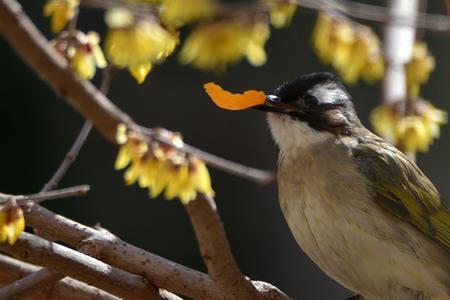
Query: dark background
x,y
38,128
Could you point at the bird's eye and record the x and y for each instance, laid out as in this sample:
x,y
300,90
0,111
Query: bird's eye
x,y
310,101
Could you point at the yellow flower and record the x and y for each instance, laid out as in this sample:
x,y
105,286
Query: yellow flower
x,y
82,51
12,224
214,45
178,13
419,68
413,132
384,119
353,50
136,43
61,12
281,12
413,135
161,167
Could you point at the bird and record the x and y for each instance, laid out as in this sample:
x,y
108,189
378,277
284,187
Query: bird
x,y
357,206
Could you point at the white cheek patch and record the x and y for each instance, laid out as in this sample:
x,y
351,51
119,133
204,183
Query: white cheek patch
x,y
289,133
328,93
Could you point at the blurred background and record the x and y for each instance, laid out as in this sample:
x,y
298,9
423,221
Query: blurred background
x,y
39,128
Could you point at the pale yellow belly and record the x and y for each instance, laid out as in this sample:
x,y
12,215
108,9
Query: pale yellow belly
x,y
333,219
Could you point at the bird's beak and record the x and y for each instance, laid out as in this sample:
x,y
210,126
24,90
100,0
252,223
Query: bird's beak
x,y
274,104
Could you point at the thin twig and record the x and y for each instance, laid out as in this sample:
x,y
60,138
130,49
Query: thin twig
x,y
75,191
80,139
63,260
70,157
379,14
12,270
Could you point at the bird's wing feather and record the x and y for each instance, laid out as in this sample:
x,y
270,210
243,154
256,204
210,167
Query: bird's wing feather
x,y
403,190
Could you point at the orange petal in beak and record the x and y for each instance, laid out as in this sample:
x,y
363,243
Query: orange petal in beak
x,y
230,101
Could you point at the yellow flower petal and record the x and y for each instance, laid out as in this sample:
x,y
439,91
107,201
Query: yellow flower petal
x,y
121,134
3,225
162,179
61,12
119,18
124,157
176,13
15,229
84,64
174,187
140,71
151,168
132,173
281,13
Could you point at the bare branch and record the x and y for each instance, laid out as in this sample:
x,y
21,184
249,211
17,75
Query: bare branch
x,y
160,271
218,257
75,191
11,270
215,250
63,260
35,281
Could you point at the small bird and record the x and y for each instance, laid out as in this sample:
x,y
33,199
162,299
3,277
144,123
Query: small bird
x,y
357,206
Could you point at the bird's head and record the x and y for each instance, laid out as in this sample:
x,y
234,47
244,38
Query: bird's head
x,y
309,109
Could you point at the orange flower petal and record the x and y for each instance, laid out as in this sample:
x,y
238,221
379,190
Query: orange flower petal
x,y
230,101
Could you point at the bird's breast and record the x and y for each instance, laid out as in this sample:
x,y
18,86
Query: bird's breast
x,y
329,208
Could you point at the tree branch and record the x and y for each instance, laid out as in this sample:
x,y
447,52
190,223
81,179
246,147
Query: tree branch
x,y
218,257
12,270
110,249
63,260
160,271
215,250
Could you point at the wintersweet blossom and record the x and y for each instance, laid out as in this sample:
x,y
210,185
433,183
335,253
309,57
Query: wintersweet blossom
x,y
281,12
215,45
419,68
177,13
352,49
136,43
413,132
12,224
82,51
61,12
161,168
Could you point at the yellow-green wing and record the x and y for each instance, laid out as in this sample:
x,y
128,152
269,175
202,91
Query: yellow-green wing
x,y
403,190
